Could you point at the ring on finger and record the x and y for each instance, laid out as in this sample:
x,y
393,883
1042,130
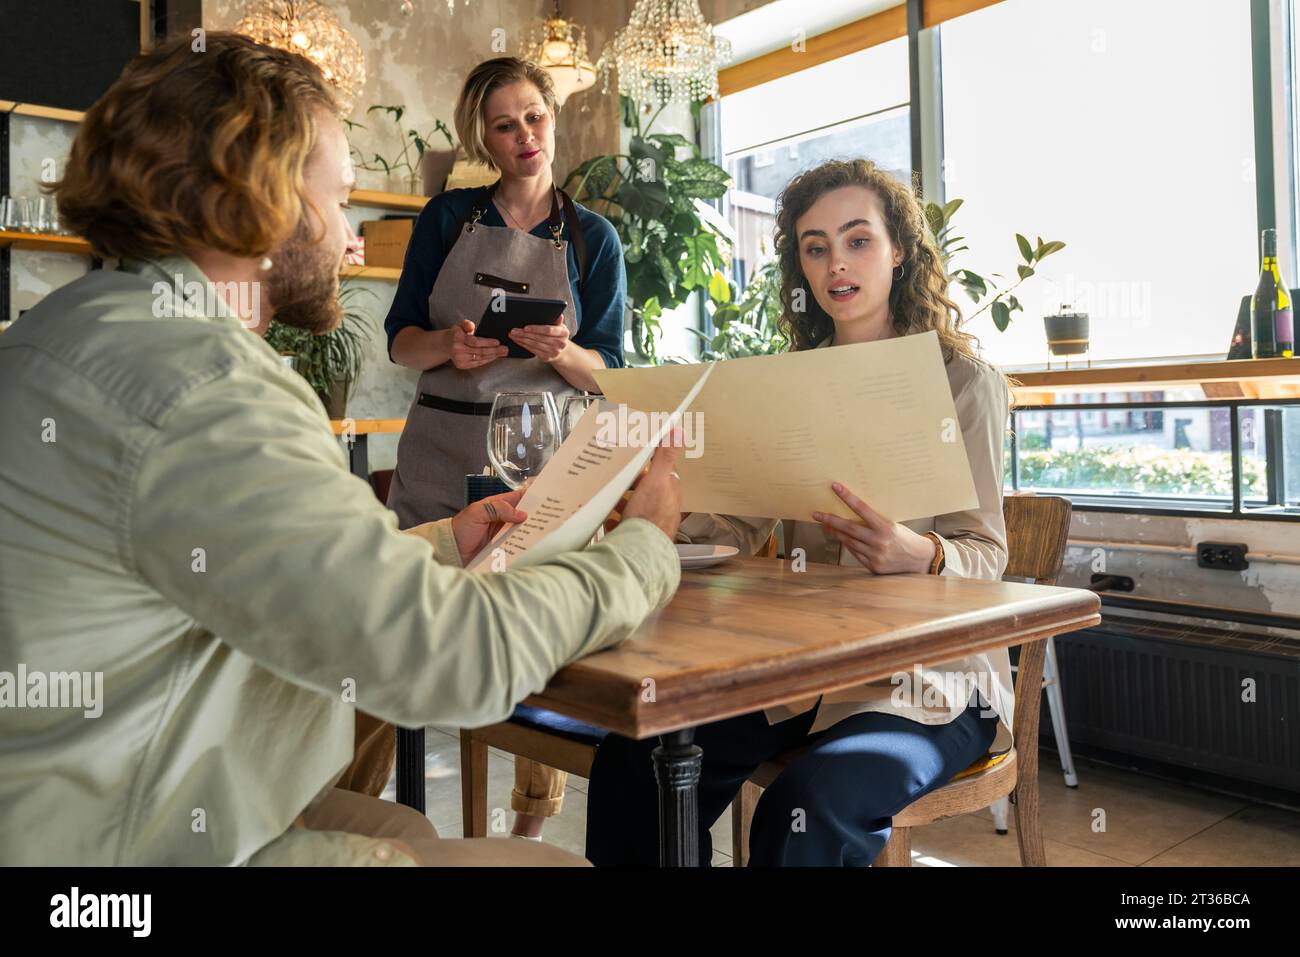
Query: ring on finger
x,y
491,511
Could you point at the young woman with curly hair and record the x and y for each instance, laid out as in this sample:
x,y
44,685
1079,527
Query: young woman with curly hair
x,y
858,265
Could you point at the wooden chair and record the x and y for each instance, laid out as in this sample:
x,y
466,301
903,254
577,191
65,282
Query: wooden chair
x,y
1037,529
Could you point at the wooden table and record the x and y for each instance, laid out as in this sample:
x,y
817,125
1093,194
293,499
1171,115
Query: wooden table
x,y
751,633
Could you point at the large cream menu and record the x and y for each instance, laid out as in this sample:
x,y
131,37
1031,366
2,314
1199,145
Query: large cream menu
x,y
775,431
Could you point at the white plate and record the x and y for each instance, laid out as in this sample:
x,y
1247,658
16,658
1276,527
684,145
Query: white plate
x,y
702,556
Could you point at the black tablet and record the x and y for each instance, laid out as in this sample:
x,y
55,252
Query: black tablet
x,y
504,313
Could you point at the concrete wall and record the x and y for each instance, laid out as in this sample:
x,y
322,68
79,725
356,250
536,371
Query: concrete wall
x,y
1159,553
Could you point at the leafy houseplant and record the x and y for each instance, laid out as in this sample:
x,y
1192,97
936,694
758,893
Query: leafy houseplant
x,y
332,361
410,139
747,327
1004,302
650,197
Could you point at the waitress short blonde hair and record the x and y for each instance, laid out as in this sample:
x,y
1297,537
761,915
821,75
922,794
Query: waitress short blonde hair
x,y
482,82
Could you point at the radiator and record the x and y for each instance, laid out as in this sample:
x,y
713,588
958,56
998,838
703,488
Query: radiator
x,y
1174,693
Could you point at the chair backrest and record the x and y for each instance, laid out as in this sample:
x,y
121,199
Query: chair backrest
x,y
380,480
1037,529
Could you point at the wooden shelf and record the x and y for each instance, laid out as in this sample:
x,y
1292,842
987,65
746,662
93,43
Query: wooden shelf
x,y
399,201
368,426
47,112
45,242
73,244
1219,379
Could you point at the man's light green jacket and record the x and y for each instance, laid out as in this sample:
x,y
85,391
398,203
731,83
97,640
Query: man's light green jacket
x,y
176,516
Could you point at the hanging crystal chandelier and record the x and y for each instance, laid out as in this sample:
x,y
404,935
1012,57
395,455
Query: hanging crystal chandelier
x,y
667,52
309,28
559,47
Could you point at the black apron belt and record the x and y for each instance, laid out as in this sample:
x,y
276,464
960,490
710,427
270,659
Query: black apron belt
x,y
451,405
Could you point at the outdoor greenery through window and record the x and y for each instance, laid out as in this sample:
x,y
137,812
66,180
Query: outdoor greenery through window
x,y
1179,453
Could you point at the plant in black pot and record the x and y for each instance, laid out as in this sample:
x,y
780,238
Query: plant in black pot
x,y
1067,333
332,361
1003,302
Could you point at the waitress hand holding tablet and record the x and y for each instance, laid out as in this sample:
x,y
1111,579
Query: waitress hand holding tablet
x,y
515,320
508,288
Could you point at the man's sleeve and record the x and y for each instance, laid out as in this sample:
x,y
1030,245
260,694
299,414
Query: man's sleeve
x,y
245,518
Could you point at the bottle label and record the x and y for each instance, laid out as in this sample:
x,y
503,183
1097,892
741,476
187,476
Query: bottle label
x,y
1282,326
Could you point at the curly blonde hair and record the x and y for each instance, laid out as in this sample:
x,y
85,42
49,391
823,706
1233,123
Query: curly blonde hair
x,y
918,302
192,150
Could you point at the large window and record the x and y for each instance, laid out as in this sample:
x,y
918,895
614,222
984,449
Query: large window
x,y
1125,130
854,106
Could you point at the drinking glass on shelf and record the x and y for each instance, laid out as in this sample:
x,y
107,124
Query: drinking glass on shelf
x,y
523,432
24,207
9,218
41,214
572,409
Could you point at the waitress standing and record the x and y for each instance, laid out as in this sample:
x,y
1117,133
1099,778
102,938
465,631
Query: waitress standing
x,y
521,235
526,237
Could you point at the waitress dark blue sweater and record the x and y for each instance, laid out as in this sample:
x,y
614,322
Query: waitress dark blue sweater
x,y
460,247
599,303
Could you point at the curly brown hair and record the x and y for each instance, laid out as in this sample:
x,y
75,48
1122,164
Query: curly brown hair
x,y
918,302
196,149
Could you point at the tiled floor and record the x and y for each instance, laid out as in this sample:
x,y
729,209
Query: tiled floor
x,y
1114,818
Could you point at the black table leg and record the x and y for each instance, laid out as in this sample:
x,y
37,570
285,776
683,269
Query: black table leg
x,y
677,769
359,456
410,768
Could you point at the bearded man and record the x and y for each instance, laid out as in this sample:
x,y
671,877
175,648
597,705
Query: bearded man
x,y
177,518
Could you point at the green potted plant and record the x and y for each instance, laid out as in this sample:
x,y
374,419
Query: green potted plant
x,y
1003,302
650,196
433,167
744,324
332,361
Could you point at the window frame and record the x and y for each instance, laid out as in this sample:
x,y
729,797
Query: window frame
x,y
1152,504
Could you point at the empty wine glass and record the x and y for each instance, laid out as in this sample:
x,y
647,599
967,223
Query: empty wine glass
x,y
572,409
523,432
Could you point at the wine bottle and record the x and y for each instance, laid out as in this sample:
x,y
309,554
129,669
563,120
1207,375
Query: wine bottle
x,y
1271,326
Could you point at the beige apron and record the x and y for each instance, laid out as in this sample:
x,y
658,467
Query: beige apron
x,y
438,448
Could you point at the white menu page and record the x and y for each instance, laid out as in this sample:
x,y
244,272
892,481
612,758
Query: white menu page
x,y
577,489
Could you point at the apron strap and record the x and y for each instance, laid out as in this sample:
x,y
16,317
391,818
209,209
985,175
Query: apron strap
x,y
562,211
576,237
